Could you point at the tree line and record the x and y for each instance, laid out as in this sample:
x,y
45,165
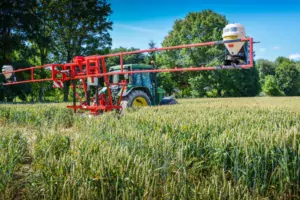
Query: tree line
x,y
40,32
37,32
279,78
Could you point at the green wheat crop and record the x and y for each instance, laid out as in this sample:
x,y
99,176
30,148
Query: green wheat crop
x,y
235,148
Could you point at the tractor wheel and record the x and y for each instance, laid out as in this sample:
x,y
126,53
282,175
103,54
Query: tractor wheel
x,y
136,98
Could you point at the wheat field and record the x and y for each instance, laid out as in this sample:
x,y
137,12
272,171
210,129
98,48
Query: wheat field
x,y
233,148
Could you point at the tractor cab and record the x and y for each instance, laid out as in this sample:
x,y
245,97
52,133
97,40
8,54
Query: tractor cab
x,y
136,79
142,88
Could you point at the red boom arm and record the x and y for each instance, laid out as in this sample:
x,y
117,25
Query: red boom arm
x,y
94,67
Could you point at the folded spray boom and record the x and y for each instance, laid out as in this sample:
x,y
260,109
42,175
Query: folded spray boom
x,y
90,69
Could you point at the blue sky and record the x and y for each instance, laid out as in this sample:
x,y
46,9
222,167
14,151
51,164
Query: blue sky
x,y
275,24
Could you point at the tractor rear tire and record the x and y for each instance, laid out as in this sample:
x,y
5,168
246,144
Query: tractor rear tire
x,y
136,98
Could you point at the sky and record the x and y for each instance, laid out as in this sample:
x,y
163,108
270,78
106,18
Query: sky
x,y
274,24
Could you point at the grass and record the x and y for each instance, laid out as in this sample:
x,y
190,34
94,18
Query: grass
x,y
235,148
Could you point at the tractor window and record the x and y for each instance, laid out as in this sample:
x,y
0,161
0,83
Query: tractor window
x,y
137,79
115,78
142,79
146,80
119,77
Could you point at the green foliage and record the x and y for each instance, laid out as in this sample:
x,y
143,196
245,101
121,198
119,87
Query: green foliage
x,y
244,83
82,29
245,148
36,116
200,84
265,68
14,26
165,81
288,78
271,87
151,55
226,83
281,77
127,59
51,145
13,153
202,27
37,32
194,28
281,59
14,17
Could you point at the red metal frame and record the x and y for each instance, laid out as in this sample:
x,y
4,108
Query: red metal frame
x,y
94,67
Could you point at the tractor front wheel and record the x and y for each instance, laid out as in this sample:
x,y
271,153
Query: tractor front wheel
x,y
136,98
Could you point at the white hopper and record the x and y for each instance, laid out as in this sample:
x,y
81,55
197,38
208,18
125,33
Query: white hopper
x,y
234,32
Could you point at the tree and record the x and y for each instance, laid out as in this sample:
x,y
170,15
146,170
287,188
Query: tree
x,y
271,87
164,80
80,28
245,82
281,59
196,27
288,78
265,67
40,40
200,84
127,59
226,83
298,65
203,27
14,18
151,55
38,32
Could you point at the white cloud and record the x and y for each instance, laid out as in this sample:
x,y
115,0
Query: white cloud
x,y
295,56
262,49
139,29
276,48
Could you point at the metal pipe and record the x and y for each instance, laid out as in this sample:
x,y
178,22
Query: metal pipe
x,y
74,93
88,95
170,48
145,71
91,59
